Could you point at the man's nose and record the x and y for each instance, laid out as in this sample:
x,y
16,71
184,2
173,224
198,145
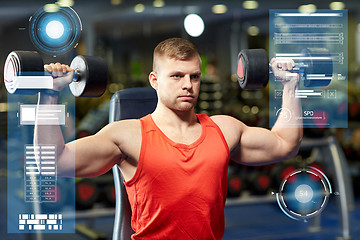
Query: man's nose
x,y
187,84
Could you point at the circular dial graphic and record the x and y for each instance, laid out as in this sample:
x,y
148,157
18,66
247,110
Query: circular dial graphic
x,y
304,193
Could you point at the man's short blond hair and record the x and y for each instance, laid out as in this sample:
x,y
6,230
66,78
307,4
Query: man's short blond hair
x,y
175,48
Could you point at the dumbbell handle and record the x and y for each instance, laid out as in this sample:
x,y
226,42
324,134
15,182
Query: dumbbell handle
x,y
299,67
76,76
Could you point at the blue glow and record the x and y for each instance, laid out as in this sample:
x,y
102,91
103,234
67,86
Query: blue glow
x,y
46,39
309,179
308,207
325,177
39,31
55,29
282,209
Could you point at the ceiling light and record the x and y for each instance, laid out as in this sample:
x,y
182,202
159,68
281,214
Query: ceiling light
x,y
158,3
51,7
308,8
69,3
116,2
250,4
219,9
253,31
139,8
194,25
337,6
255,110
245,109
3,107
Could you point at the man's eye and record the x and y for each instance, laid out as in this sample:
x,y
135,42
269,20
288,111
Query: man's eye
x,y
175,76
195,77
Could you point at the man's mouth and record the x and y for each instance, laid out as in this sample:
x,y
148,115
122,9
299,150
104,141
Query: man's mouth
x,y
186,97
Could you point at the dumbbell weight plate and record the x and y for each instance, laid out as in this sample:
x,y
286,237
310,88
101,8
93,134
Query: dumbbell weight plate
x,y
260,183
319,70
22,63
253,69
87,193
92,78
235,185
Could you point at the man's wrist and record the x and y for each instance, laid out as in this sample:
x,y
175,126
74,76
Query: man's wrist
x,y
48,96
50,92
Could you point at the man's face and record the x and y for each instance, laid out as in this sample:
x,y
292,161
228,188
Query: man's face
x,y
177,82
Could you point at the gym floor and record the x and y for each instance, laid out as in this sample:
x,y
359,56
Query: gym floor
x,y
250,221
265,221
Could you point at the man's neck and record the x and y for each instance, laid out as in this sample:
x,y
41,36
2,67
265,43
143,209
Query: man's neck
x,y
172,118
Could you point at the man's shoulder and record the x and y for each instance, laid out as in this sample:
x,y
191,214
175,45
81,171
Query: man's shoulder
x,y
223,119
125,125
229,125
123,129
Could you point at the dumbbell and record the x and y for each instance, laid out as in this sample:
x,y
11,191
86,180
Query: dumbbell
x,y
24,74
87,193
315,68
235,181
259,180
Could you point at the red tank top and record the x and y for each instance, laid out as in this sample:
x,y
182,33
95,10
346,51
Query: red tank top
x,y
179,191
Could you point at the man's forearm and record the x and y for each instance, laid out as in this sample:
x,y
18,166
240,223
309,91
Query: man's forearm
x,y
289,123
48,134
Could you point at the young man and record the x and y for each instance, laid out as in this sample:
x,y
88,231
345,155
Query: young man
x,y
174,162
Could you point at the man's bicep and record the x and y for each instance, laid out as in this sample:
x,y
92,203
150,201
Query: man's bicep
x,y
251,145
91,156
261,146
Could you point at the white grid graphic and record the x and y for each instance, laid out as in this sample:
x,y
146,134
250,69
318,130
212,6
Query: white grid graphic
x,y
40,176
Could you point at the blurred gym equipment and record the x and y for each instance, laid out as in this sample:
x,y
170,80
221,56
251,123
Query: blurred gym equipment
x,y
127,104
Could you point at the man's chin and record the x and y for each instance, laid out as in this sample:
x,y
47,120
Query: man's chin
x,y
185,107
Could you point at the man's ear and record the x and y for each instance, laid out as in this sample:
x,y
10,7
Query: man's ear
x,y
153,79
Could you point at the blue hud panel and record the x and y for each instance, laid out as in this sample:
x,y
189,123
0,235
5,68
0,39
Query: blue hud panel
x,y
38,198
317,42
